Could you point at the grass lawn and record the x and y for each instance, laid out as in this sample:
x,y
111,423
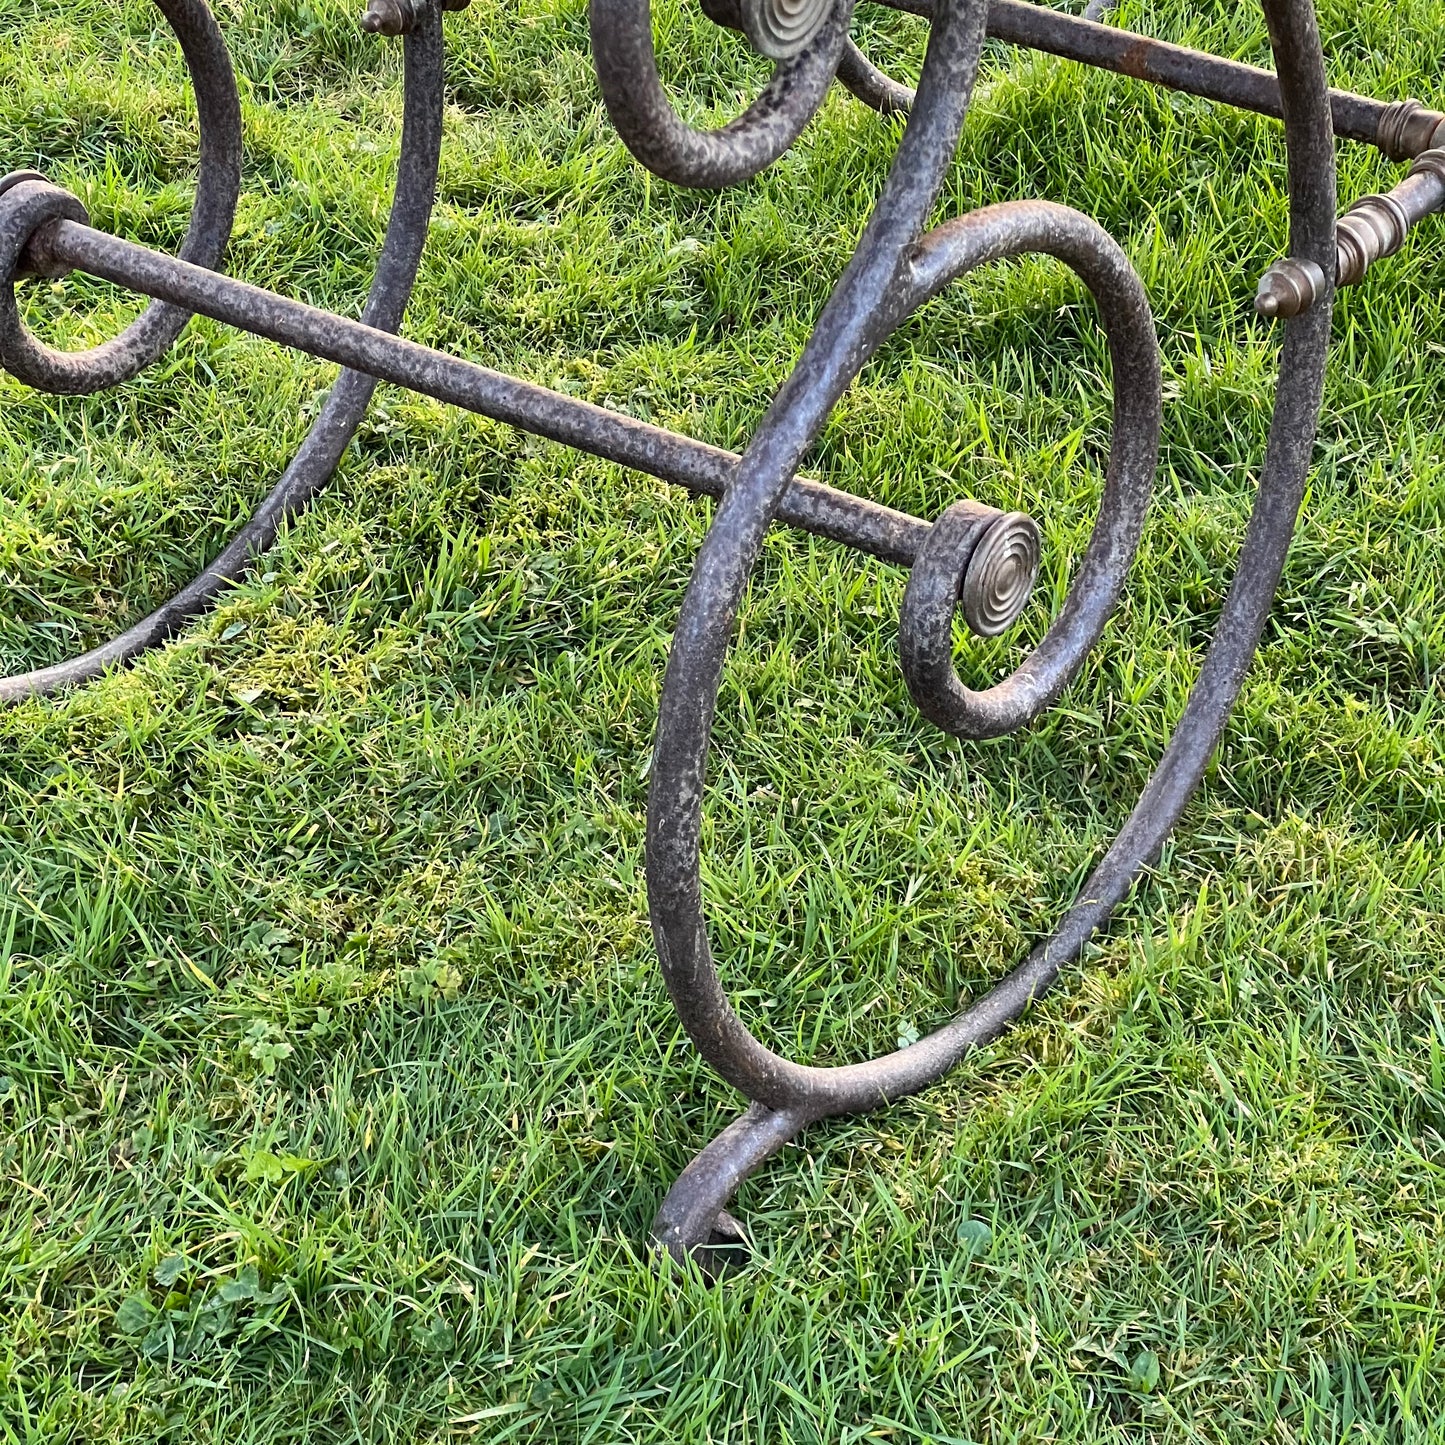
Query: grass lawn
x,y
338,1086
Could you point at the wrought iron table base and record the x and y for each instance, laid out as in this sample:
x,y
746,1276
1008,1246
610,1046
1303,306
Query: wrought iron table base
x,y
971,559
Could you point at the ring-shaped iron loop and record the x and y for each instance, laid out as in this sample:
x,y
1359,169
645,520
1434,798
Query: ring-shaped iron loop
x,y
332,431
925,631
626,64
218,187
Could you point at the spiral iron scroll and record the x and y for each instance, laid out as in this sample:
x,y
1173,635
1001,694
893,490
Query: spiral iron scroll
x,y
972,559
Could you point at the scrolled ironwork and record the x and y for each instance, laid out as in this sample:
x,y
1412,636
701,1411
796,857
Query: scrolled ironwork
x,y
785,1095
154,332
972,560
925,630
319,453
866,82
626,64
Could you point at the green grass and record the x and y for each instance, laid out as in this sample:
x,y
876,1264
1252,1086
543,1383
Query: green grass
x,y
339,1084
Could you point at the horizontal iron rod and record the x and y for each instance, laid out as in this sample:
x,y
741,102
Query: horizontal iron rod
x,y
810,506
1175,67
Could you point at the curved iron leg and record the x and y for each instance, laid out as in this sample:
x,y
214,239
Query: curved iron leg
x,y
796,1095
331,433
693,1219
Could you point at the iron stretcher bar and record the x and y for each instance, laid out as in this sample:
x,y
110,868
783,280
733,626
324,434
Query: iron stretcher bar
x,y
809,506
1230,82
